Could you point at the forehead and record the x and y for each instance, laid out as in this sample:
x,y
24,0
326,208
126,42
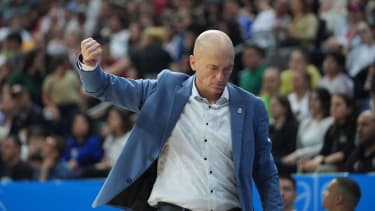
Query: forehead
x,y
366,118
285,182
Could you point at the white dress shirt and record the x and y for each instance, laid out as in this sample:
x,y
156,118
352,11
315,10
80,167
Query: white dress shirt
x,y
195,166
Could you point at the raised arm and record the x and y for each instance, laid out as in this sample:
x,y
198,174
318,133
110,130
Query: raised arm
x,y
126,93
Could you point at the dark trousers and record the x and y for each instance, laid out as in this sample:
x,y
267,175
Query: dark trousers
x,y
162,206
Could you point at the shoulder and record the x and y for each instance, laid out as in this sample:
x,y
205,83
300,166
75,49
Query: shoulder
x,y
286,74
244,96
171,77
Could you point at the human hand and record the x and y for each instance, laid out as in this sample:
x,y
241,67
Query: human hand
x,y
91,51
73,164
47,163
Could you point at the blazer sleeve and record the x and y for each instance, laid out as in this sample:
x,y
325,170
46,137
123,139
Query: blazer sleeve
x,y
265,173
126,93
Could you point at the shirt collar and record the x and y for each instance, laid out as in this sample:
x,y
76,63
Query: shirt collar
x,y
224,98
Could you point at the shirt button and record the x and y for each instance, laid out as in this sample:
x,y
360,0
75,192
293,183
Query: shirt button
x,y
205,158
205,140
209,107
210,172
206,123
212,191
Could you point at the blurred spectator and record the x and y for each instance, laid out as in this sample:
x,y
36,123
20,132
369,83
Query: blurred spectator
x,y
5,70
11,165
53,166
344,26
55,18
61,94
232,11
342,194
288,188
16,25
7,110
265,19
34,144
283,130
362,158
27,112
117,35
270,86
264,23
116,132
298,62
11,50
330,9
32,74
283,18
151,58
364,54
300,96
251,77
83,147
358,61
311,131
370,86
335,80
304,25
339,138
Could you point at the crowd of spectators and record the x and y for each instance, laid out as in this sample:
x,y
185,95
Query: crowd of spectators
x,y
311,61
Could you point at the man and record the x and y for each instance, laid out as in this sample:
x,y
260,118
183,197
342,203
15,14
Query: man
x,y
288,191
27,112
362,159
251,77
53,166
209,136
342,194
11,165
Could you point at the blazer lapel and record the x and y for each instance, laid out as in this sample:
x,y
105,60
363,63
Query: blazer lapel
x,y
237,114
181,96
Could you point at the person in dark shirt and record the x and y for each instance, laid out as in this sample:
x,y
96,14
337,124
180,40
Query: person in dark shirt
x,y
152,57
28,113
362,159
339,138
283,130
12,167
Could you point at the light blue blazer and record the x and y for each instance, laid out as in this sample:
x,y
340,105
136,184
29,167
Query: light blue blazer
x,y
159,104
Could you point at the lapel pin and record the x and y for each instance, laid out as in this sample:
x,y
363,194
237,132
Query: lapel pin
x,y
239,110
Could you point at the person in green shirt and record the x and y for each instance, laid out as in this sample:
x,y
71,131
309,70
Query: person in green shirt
x,y
251,77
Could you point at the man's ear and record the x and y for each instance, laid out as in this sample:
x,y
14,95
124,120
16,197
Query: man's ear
x,y
192,62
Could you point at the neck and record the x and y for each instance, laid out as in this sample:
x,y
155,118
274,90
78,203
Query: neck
x,y
300,94
279,121
341,208
288,208
318,116
14,160
118,133
332,75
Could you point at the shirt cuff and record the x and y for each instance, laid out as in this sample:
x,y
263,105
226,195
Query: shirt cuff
x,y
87,67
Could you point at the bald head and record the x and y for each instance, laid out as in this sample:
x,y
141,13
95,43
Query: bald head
x,y
366,128
213,40
212,61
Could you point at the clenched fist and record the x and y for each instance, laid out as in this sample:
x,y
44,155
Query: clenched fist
x,y
91,51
